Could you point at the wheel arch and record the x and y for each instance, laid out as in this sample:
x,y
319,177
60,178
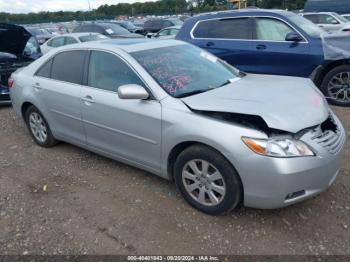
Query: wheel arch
x,y
327,68
25,107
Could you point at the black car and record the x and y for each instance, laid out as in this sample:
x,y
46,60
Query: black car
x,y
42,35
155,25
18,48
111,30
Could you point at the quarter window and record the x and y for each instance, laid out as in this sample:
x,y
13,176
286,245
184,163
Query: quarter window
x,y
271,29
233,28
68,66
108,72
45,70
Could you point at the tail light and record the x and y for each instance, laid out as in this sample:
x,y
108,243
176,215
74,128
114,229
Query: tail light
x,y
10,82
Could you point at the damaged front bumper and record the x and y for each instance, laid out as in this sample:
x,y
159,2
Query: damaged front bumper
x,y
278,182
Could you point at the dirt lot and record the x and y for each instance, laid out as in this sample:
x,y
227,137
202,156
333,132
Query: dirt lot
x,y
94,205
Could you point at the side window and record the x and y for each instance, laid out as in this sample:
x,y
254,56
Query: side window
x,y
271,29
45,70
68,66
70,40
57,42
312,18
327,19
108,72
233,28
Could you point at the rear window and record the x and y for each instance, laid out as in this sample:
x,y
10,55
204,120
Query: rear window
x,y
236,28
68,66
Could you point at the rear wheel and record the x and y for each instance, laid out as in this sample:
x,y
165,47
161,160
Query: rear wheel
x,y
207,180
336,86
39,128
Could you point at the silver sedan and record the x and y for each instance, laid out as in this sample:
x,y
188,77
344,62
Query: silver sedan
x,y
224,137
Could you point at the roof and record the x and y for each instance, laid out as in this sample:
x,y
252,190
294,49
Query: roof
x,y
78,34
127,45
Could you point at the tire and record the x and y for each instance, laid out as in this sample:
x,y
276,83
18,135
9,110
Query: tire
x,y
343,81
225,177
36,121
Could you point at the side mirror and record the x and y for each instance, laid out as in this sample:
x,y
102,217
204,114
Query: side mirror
x,y
132,91
293,37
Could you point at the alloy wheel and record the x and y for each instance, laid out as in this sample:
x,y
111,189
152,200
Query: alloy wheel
x,y
203,182
339,87
38,127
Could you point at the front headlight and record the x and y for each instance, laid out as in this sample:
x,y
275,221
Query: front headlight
x,y
278,147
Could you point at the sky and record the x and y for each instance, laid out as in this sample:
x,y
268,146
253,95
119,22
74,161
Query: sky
x,y
26,6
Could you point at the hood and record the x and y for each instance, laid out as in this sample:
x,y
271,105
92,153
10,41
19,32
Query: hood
x,y
285,103
13,39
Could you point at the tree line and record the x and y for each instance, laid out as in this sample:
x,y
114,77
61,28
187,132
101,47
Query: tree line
x,y
161,7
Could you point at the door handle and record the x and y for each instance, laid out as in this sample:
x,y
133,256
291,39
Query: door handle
x,y
88,100
210,44
261,47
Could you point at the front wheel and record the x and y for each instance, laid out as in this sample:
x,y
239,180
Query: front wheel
x,y
207,180
336,86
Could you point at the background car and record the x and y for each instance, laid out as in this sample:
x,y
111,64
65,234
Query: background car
x,y
42,35
174,110
68,39
330,22
154,25
337,6
347,16
111,30
128,25
18,48
271,42
167,33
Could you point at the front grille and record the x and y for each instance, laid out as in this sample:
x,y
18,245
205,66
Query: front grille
x,y
330,136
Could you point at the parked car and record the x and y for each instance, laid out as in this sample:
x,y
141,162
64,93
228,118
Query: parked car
x,y
17,49
347,16
156,24
69,39
330,22
130,27
111,30
175,110
167,33
42,35
337,6
271,42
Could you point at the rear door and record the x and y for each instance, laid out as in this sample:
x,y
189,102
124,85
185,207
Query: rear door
x,y
58,85
273,54
228,38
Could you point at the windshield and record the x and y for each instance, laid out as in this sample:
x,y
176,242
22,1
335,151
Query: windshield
x,y
306,25
88,38
112,29
183,70
128,25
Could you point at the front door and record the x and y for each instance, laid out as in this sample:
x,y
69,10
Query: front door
x,y
126,129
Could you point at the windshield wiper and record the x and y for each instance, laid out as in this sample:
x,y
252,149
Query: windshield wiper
x,y
195,92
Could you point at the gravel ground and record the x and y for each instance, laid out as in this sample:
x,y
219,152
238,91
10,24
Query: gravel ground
x,y
94,205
